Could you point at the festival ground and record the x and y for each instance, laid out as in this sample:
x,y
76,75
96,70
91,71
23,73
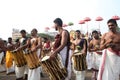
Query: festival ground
x,y
3,76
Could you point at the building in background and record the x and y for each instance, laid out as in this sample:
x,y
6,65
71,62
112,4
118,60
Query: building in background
x,y
15,34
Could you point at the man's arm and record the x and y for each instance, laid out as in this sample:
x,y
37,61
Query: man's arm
x,y
84,50
39,46
2,46
105,43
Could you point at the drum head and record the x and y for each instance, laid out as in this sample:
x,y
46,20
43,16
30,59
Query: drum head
x,y
45,58
78,53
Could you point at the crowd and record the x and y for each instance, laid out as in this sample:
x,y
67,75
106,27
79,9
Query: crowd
x,y
76,52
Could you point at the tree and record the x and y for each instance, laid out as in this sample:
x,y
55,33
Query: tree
x,y
70,23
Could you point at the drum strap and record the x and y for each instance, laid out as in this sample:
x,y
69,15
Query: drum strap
x,y
67,58
67,53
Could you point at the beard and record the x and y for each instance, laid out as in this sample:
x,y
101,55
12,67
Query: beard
x,y
56,28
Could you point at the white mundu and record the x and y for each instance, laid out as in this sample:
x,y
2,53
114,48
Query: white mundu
x,y
96,60
109,67
34,74
80,74
20,71
2,66
63,56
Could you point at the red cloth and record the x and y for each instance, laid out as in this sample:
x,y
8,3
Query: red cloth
x,y
115,52
57,41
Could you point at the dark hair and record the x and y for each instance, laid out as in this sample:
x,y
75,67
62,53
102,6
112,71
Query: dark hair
x,y
112,21
9,38
77,31
23,31
94,31
58,21
35,30
17,40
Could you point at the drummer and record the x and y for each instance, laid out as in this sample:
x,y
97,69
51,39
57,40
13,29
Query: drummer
x,y
62,46
35,44
21,44
82,44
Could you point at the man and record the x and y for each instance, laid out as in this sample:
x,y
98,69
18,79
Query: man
x,y
9,59
82,44
63,48
94,47
22,45
2,56
110,64
35,44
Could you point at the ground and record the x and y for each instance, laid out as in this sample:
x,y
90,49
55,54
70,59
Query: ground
x,y
3,76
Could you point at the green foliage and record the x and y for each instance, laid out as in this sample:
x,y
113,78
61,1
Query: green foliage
x,y
118,29
43,35
70,23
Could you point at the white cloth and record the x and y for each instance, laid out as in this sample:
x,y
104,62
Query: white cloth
x,y
2,68
20,71
109,67
96,60
80,75
11,69
63,56
89,58
1,56
34,74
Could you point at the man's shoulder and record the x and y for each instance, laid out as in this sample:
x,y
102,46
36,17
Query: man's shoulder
x,y
105,34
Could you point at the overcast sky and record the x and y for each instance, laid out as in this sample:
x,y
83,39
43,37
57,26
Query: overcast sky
x,y
29,14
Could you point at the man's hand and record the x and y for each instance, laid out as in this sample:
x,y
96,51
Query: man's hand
x,y
108,41
52,55
34,49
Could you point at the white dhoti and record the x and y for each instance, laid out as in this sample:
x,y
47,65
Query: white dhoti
x,y
1,56
2,66
80,75
96,60
34,74
63,56
89,60
109,67
20,71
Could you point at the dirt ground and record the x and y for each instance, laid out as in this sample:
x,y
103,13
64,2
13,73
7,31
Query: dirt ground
x,y
3,76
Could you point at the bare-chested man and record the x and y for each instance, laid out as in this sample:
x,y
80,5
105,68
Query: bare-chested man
x,y
21,45
34,45
94,47
110,64
82,43
63,48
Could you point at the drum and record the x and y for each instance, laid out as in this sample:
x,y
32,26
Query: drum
x,y
45,52
18,57
32,59
79,61
54,68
